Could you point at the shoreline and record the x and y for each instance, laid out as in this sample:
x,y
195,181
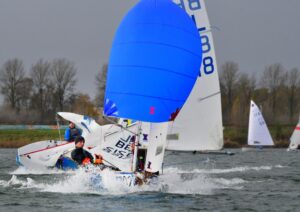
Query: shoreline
x,y
15,138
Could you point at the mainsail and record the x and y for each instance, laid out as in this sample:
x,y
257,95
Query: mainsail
x,y
295,138
154,64
258,133
199,125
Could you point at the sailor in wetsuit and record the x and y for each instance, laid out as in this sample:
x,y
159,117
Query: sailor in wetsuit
x,y
80,155
72,132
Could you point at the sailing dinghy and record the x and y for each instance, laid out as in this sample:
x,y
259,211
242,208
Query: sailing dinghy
x,y
154,64
143,85
258,132
295,138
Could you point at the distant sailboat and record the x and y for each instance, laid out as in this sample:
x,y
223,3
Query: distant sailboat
x,y
198,126
295,138
258,132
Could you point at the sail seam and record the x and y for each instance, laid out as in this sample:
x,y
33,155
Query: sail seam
x,y
152,67
171,26
159,44
148,96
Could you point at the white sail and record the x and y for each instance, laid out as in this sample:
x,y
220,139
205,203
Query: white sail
x,y
199,125
156,147
116,147
295,138
258,133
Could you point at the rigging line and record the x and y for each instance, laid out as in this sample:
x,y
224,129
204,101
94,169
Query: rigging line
x,y
210,29
119,125
209,96
110,164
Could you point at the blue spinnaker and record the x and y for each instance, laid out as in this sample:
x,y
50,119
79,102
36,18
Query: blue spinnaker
x,y
154,63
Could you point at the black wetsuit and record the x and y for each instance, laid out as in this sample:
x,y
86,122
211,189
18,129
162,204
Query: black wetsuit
x,y
79,154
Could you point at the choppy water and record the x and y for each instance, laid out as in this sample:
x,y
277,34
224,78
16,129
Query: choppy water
x,y
267,180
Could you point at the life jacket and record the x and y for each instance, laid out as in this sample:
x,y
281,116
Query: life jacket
x,y
86,161
74,132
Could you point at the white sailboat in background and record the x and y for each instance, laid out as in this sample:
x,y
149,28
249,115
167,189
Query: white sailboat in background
x,y
295,138
198,127
258,132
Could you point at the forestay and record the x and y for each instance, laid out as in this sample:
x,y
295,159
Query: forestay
x,y
199,125
258,133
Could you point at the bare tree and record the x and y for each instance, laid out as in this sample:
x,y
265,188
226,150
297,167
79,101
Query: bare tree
x,y
273,78
229,78
24,101
64,80
40,74
101,84
245,89
11,78
292,83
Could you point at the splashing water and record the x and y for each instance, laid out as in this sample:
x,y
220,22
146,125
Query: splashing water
x,y
174,180
24,171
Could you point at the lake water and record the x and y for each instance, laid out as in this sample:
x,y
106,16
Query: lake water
x,y
267,180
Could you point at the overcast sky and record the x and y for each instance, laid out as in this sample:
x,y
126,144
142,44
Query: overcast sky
x,y
253,33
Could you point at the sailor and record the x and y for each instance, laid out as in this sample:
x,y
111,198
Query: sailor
x,y
141,163
72,132
81,156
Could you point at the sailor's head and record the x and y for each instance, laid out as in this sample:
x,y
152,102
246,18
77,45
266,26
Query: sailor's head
x,y
79,142
71,125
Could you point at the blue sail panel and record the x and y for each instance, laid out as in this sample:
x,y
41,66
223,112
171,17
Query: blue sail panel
x,y
154,63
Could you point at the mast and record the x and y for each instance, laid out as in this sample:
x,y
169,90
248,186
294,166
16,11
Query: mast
x,y
136,148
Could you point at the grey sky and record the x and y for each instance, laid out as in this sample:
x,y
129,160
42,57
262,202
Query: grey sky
x,y
253,33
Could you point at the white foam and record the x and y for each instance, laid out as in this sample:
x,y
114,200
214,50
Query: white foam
x,y
174,180
15,182
80,182
221,171
24,171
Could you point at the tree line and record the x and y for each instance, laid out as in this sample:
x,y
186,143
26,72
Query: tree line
x,y
276,91
49,87
34,96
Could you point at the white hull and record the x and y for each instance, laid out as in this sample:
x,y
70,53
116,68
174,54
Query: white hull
x,y
43,154
126,179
